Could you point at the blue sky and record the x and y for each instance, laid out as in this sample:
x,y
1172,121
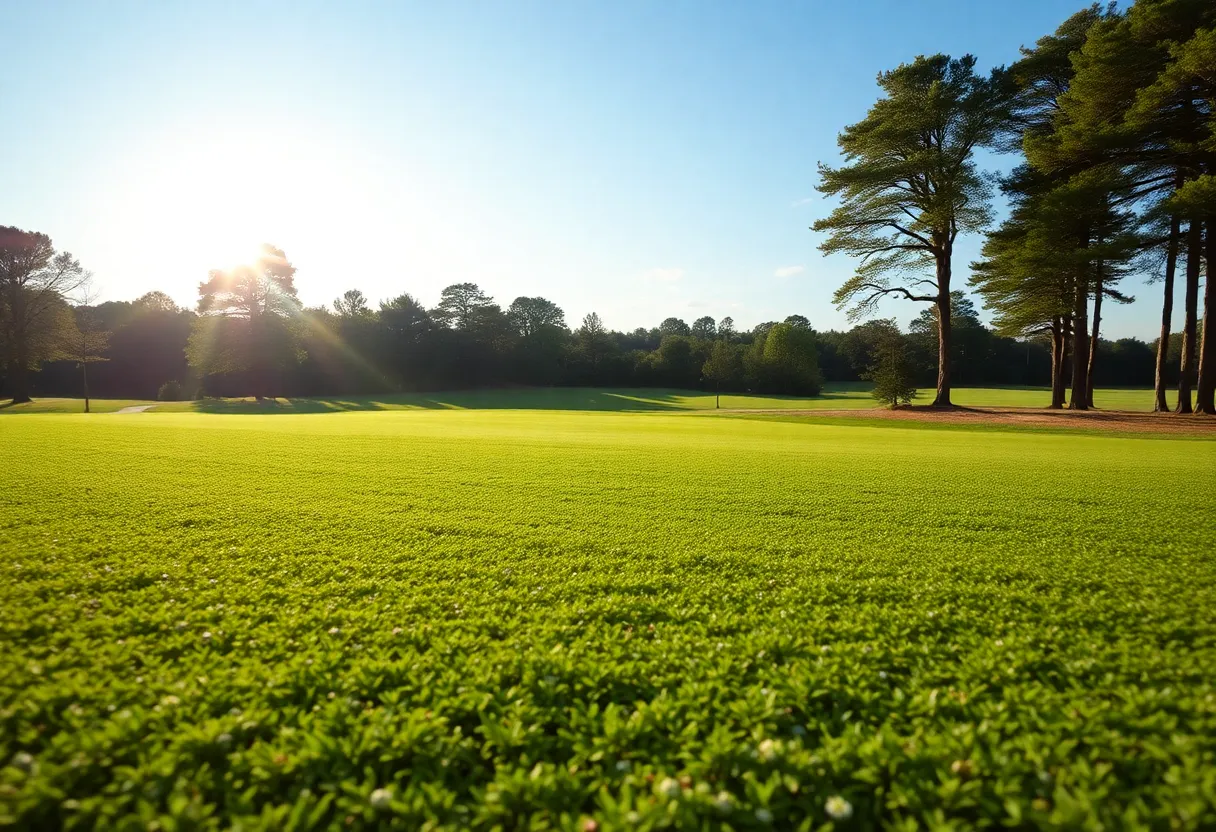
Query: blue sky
x,y
638,159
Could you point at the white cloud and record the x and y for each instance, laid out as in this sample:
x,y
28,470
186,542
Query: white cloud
x,y
788,271
798,203
670,275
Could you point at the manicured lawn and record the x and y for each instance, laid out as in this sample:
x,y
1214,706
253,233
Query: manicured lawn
x,y
59,405
846,396
531,619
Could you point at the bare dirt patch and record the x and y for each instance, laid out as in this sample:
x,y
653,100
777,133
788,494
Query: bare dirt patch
x,y
1113,420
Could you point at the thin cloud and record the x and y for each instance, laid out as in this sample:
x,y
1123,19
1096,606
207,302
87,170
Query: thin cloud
x,y
798,203
788,271
670,275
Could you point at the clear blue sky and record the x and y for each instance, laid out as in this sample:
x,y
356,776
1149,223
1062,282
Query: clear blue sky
x,y
639,159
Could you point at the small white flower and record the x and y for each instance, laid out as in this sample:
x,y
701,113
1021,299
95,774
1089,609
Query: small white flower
x,y
670,787
224,739
23,761
838,808
333,631
164,574
213,580
723,802
170,700
623,765
764,816
767,750
397,631
1000,642
882,674
207,634
381,798
332,694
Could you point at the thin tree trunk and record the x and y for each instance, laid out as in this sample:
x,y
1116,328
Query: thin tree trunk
x,y
1194,242
19,376
1167,314
943,331
1080,343
84,373
1093,341
1205,390
1057,363
19,364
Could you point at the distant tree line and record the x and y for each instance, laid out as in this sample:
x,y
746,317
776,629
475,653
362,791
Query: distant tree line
x,y
251,336
1112,118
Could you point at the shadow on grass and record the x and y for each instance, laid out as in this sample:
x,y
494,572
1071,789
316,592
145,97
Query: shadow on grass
x,y
284,406
518,399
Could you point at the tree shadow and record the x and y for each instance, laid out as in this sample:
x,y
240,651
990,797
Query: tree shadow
x,y
490,399
284,406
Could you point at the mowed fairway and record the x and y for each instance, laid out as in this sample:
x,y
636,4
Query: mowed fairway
x,y
510,619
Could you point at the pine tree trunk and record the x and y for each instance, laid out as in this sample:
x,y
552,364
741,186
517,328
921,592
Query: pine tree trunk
x,y
1167,314
1205,390
1194,242
1093,341
1057,363
1080,344
943,331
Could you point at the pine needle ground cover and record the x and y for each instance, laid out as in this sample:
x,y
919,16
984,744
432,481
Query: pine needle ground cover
x,y
600,621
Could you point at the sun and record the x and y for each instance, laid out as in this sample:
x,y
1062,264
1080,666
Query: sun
x,y
234,252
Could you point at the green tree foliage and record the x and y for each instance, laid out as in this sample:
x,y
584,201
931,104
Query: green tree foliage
x,y
460,305
248,323
540,325
910,186
352,305
891,369
35,282
785,361
723,368
170,391
704,328
674,326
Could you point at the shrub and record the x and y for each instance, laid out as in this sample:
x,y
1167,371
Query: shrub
x,y
170,391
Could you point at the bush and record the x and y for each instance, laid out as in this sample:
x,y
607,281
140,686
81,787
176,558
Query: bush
x,y
170,391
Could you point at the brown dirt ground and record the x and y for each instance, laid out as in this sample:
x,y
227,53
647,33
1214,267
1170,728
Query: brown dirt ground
x,y
1113,420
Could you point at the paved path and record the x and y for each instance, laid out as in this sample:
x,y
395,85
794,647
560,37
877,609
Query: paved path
x,y
137,409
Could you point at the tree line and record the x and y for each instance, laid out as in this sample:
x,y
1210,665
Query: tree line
x,y
1111,116
250,335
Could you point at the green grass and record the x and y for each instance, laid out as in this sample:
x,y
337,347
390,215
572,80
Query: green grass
x,y
845,396
484,620
61,405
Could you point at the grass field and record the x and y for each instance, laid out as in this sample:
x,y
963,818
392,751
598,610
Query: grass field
x,y
593,620
846,396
